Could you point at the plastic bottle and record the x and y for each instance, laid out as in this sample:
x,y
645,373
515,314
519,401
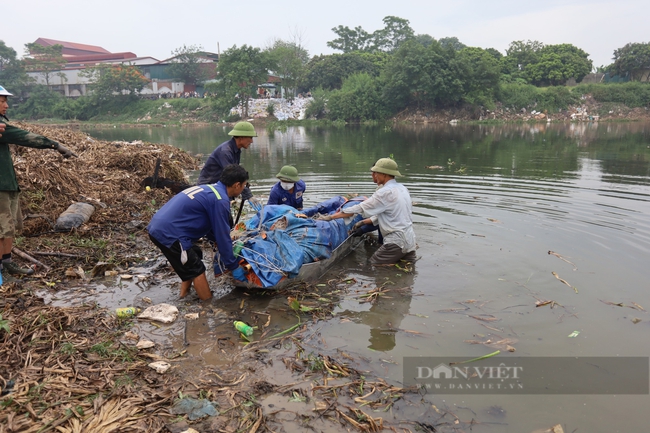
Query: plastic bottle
x,y
126,312
243,328
239,245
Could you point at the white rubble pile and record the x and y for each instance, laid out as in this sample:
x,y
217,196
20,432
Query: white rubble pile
x,y
283,109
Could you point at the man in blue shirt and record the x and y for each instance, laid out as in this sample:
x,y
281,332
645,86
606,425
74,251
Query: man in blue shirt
x,y
227,153
289,190
200,211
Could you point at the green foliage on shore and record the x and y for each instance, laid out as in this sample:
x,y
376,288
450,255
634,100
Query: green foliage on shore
x,y
377,76
516,97
362,98
632,94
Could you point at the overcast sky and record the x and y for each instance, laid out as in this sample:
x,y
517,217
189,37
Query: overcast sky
x,y
156,28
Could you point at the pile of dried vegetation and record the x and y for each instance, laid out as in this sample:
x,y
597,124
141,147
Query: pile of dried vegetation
x,y
65,370
107,175
76,370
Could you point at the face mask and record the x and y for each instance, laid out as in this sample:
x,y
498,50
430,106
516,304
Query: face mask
x,y
286,185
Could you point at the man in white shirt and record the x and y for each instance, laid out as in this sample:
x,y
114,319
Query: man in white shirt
x,y
390,207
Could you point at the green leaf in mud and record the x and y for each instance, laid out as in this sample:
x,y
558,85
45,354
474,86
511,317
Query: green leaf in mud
x,y
489,355
297,397
294,304
4,325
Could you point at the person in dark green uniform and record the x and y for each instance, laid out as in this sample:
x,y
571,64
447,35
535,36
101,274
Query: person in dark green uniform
x,y
11,220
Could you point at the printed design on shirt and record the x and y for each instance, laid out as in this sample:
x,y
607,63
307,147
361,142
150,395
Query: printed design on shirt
x,y
191,192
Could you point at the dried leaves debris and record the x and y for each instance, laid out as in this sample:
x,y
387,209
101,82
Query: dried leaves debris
x,y
105,172
109,176
65,370
75,370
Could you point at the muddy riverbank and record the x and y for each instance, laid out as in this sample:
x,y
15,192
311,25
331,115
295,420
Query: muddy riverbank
x,y
491,202
72,366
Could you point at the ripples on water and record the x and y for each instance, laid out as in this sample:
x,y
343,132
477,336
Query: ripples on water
x,y
504,197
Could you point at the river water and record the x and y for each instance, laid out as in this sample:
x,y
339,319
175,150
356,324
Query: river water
x,y
490,203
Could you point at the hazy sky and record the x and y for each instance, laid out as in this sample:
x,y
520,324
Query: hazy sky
x,y
155,28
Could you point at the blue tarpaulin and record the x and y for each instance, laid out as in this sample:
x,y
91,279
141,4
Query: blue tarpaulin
x,y
282,242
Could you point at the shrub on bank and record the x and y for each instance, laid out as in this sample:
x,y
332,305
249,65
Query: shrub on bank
x,y
516,96
632,94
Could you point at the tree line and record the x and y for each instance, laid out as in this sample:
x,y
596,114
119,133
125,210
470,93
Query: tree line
x,y
374,76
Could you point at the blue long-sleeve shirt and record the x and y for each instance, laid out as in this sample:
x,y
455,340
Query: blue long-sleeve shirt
x,y
225,154
280,196
194,213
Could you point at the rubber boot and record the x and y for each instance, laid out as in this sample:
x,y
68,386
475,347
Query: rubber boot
x,y
14,269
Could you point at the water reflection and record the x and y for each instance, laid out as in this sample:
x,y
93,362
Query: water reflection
x,y
386,314
502,197
388,294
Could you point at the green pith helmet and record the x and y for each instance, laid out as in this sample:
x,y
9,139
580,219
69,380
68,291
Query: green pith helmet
x,y
3,92
386,166
288,174
243,129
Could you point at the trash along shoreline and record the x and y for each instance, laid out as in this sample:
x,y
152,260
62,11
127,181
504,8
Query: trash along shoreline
x,y
73,366
80,368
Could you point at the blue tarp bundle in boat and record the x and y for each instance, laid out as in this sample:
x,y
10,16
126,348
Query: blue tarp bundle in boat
x,y
291,241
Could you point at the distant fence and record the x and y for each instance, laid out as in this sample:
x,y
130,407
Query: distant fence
x,y
616,78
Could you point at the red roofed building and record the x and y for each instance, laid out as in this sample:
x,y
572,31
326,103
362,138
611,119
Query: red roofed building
x,y
71,48
86,55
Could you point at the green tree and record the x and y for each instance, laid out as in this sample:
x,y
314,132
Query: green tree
x,y
12,71
47,61
110,82
556,64
7,55
189,66
317,108
289,61
396,31
519,55
41,104
422,76
494,53
239,72
481,72
358,99
633,59
424,39
329,71
350,40
451,43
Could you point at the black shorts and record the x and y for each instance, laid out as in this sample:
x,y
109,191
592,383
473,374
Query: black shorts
x,y
194,265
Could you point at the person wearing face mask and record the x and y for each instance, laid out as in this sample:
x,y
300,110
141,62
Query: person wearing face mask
x,y
289,190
